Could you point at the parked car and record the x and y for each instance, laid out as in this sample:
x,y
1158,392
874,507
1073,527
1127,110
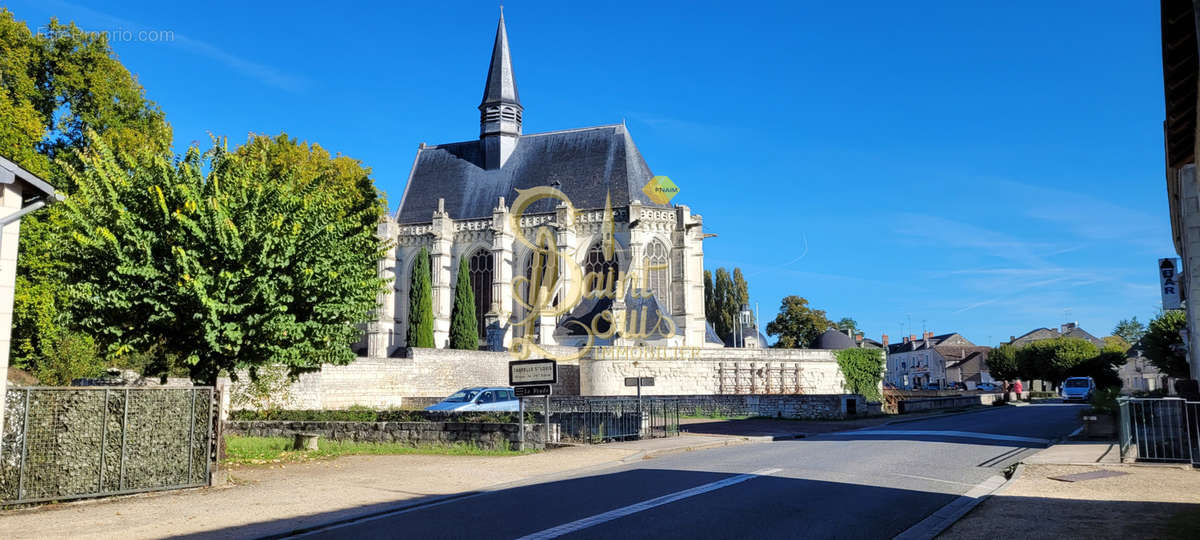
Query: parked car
x,y
479,398
987,387
1078,388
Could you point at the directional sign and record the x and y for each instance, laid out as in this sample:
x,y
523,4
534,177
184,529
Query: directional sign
x,y
633,381
535,390
529,372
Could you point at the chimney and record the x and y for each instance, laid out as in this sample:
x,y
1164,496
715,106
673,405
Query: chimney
x,y
912,337
1066,327
928,335
885,340
904,339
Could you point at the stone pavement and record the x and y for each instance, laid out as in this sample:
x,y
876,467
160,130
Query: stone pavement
x,y
264,500
1133,505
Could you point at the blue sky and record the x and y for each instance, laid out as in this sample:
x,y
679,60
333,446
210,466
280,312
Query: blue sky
x,y
980,168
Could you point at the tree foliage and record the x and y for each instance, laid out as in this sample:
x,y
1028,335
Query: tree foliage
x,y
245,266
55,87
1055,359
863,370
464,329
1002,363
1164,346
1130,330
846,323
723,300
420,303
797,325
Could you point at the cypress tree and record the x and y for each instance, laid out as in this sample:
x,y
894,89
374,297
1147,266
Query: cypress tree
x,y
420,303
464,328
723,299
710,306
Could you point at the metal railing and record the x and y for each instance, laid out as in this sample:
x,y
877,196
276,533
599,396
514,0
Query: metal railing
x,y
73,442
1160,430
598,420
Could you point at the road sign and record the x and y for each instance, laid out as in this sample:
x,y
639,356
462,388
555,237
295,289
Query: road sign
x,y
530,372
633,381
534,390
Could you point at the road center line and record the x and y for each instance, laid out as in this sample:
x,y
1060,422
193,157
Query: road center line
x,y
939,433
577,525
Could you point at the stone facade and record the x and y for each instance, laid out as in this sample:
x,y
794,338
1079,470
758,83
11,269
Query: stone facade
x,y
482,434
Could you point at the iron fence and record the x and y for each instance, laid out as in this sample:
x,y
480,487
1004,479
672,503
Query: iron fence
x,y
1160,430
73,442
598,420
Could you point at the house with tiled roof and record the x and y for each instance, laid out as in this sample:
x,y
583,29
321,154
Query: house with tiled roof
x,y
1068,330
932,359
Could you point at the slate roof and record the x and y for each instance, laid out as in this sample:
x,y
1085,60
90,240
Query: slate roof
x,y
501,85
589,308
833,339
1050,333
919,344
585,164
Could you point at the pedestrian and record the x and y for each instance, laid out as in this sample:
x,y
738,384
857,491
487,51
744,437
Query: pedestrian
x,y
1017,388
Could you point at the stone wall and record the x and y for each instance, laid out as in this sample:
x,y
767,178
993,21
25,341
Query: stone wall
x,y
935,403
411,381
715,371
485,435
815,407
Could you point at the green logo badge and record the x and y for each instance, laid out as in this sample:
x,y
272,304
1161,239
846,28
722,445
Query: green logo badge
x,y
660,189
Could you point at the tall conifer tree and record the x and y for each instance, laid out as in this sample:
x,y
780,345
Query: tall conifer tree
x,y
464,329
420,304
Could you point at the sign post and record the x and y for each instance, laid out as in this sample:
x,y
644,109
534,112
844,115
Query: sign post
x,y
532,378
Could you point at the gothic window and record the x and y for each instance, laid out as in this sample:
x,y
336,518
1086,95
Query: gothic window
x,y
481,271
607,269
657,261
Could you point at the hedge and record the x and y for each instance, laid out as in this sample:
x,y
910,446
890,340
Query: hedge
x,y
368,415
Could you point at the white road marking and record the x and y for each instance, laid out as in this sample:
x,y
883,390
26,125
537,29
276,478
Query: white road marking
x,y
932,479
577,525
940,433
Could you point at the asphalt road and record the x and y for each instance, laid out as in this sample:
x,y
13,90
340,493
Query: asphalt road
x,y
870,483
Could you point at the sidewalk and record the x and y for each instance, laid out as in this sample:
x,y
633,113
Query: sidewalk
x,y
1140,503
264,500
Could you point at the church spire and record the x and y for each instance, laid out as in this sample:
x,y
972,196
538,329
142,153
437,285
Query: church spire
x,y
500,111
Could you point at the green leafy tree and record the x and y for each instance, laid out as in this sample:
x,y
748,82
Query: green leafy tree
x,y
1002,363
464,327
741,291
1130,330
420,303
1164,346
220,259
72,356
54,88
1102,367
797,325
1055,359
846,323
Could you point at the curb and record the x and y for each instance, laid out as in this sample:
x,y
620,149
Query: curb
x,y
946,516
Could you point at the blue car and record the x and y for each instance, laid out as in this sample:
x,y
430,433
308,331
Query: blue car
x,y
479,398
1078,389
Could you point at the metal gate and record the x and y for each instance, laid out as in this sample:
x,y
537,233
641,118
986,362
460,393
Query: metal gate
x,y
1160,430
73,442
602,419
